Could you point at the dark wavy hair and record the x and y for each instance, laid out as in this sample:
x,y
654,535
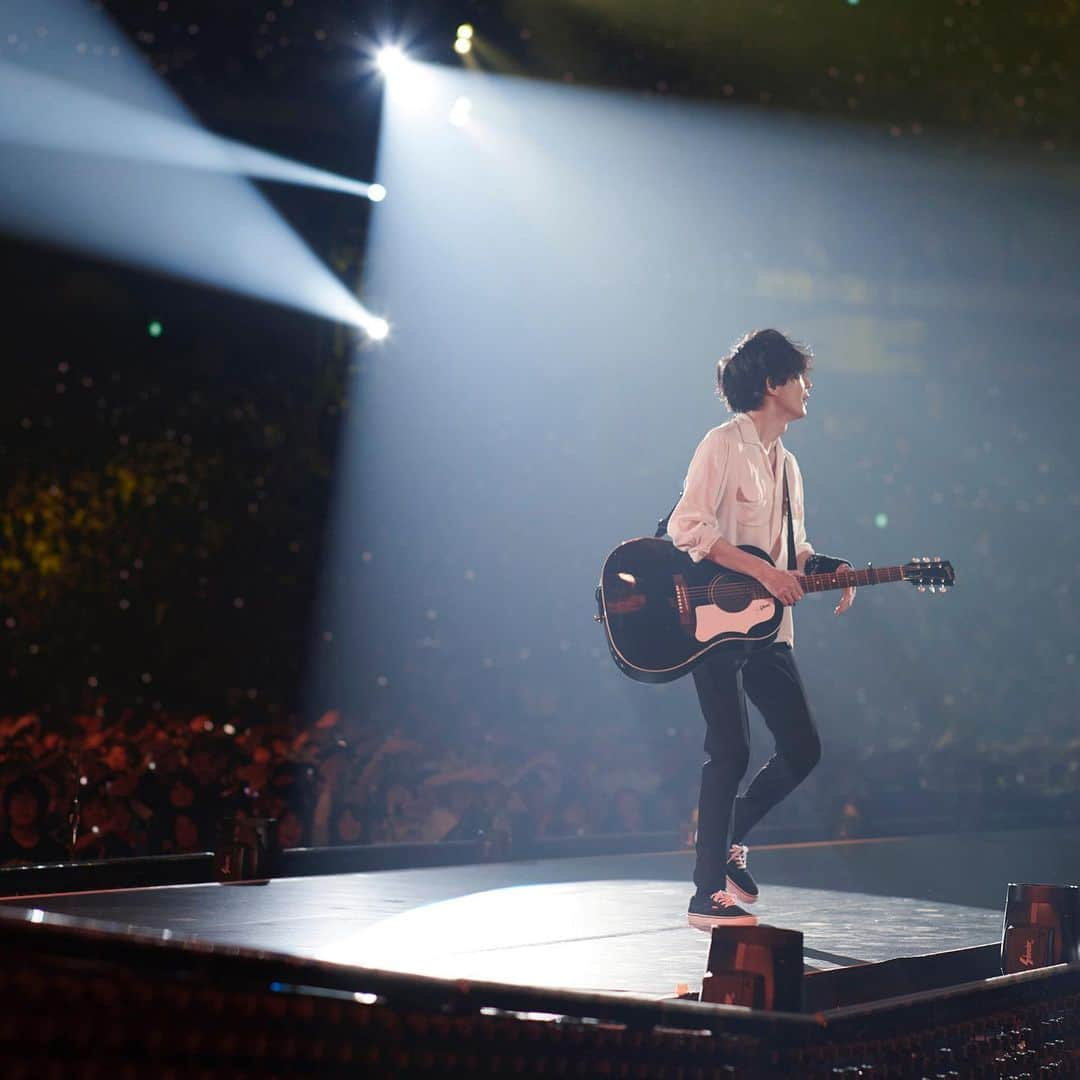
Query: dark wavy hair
x,y
762,357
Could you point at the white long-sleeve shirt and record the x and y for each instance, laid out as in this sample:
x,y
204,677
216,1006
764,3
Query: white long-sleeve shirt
x,y
733,492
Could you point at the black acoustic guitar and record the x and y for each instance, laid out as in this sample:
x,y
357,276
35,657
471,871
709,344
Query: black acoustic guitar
x,y
663,613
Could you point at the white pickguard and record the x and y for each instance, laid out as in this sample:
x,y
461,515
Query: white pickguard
x,y
712,620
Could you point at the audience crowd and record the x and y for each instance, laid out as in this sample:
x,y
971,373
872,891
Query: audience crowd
x,y
145,782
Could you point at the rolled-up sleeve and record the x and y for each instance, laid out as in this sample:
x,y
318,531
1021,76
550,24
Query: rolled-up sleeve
x,y
693,525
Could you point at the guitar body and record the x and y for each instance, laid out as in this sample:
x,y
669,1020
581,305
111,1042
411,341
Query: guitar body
x,y
663,613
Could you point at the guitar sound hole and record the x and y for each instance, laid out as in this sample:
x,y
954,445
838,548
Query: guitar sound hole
x,y
727,594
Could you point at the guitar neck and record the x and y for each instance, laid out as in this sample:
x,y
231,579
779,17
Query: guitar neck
x,y
842,579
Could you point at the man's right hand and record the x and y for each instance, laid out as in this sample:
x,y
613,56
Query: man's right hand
x,y
783,584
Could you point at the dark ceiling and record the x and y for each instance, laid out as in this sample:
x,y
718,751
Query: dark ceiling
x,y
992,73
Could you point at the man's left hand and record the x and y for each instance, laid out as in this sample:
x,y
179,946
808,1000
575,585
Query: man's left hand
x,y
847,598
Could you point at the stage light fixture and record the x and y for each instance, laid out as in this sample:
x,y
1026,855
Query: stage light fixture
x,y
376,192
378,329
390,60
408,82
465,31
462,46
155,329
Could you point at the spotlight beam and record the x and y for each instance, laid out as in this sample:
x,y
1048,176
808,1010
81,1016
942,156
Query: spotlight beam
x,y
100,173
50,113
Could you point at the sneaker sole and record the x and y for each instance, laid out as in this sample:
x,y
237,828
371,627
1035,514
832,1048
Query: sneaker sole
x,y
742,894
708,922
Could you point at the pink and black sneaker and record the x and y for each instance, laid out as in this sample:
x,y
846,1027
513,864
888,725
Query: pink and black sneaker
x,y
719,909
739,880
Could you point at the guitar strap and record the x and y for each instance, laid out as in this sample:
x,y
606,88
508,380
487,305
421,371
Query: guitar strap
x,y
661,525
791,561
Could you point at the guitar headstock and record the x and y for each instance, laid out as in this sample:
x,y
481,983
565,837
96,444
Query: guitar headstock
x,y
926,573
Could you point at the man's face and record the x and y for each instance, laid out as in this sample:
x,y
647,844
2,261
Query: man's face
x,y
185,833
349,828
791,396
205,768
24,809
180,794
117,758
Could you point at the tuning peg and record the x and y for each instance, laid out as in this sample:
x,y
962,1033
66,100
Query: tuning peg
x,y
937,558
932,589
943,588
922,588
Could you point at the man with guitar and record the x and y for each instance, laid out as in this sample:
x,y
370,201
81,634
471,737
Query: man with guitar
x,y
744,488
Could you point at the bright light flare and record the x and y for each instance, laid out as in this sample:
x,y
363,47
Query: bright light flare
x,y
465,31
377,329
391,60
43,111
376,192
462,46
461,112
407,81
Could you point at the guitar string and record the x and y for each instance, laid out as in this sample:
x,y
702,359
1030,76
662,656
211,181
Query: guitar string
x,y
882,576
838,583
740,590
734,588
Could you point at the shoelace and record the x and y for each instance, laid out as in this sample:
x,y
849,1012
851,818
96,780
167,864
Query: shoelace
x,y
737,855
723,899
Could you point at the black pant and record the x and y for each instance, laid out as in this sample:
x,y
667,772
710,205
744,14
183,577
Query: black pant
x,y
772,680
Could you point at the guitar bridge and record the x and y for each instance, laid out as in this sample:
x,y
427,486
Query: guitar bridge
x,y
682,601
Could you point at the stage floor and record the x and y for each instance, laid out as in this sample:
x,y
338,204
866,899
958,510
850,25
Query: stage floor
x,y
610,923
